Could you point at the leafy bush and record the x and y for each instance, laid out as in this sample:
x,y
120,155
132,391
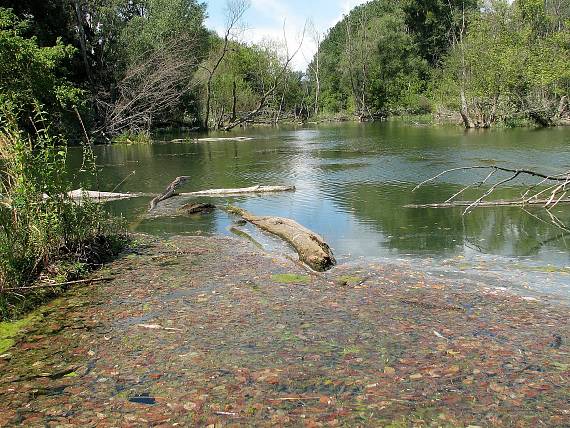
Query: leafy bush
x,y
42,231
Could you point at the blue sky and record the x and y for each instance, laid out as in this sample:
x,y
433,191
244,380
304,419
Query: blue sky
x,y
265,18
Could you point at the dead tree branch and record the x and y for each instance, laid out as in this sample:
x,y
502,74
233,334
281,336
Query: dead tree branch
x,y
169,191
151,87
276,81
235,11
555,193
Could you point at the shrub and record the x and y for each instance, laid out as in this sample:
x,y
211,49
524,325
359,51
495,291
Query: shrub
x,y
41,229
133,138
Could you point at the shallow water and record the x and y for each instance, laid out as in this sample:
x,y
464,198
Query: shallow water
x,y
352,183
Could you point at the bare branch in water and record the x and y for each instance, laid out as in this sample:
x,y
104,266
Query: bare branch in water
x,y
555,192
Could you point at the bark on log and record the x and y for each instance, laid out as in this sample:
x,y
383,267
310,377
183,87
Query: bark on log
x,y
312,249
245,190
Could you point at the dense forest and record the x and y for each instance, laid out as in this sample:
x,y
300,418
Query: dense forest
x,y
102,68
124,66
488,63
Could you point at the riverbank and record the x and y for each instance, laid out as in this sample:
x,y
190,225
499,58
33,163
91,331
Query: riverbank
x,y
443,119
211,330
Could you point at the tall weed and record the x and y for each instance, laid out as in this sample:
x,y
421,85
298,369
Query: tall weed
x,y
43,232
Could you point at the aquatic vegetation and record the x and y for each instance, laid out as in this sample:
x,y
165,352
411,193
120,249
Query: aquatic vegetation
x,y
349,280
9,331
400,350
291,278
133,138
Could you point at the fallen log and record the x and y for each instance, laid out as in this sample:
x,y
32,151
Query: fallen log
x,y
222,139
245,190
498,203
170,191
80,194
212,139
312,249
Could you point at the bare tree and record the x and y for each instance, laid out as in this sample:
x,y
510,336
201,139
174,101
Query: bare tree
x,y
277,80
316,36
358,53
235,9
150,88
79,14
457,39
351,62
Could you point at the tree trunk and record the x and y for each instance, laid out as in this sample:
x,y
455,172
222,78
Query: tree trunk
x,y
467,121
278,116
464,111
562,107
234,103
82,39
208,101
220,121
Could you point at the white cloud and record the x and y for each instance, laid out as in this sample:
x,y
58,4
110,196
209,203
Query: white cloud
x,y
345,7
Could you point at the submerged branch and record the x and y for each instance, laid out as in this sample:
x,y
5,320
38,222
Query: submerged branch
x,y
550,197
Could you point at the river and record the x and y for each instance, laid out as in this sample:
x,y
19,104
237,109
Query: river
x,y
353,181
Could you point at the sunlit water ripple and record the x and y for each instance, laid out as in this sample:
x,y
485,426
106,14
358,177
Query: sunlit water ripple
x,y
352,183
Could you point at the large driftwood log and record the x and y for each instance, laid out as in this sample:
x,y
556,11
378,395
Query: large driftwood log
x,y
312,249
96,196
212,139
244,190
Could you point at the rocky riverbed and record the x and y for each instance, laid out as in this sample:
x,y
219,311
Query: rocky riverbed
x,y
212,331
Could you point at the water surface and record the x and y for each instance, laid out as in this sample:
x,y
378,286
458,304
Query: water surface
x,y
353,181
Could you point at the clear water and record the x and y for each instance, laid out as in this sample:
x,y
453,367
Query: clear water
x,y
352,183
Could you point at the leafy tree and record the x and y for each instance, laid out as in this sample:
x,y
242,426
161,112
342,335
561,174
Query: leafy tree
x,y
49,20
139,56
511,64
381,67
432,24
30,74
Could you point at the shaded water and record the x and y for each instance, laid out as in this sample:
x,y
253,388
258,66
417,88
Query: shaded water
x,y
352,183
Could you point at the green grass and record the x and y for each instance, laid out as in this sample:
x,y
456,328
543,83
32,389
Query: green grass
x,y
9,331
